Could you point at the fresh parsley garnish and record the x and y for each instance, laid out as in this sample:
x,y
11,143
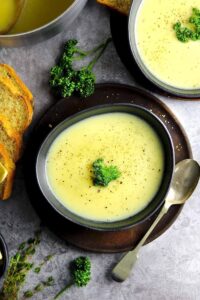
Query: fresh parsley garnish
x,y
184,34
102,174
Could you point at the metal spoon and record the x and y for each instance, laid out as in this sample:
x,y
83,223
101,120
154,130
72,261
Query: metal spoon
x,y
185,179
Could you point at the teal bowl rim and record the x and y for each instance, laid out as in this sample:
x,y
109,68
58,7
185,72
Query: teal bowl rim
x,y
98,225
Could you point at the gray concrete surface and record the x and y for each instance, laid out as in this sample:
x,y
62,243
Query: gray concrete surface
x,y
168,268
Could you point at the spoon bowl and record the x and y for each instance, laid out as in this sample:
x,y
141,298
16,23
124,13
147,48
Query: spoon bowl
x,y
184,182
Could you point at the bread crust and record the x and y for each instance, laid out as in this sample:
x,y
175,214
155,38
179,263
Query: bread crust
x,y
26,93
22,91
10,167
122,6
14,135
15,89
29,108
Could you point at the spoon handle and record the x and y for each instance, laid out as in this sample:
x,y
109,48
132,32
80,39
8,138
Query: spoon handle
x,y
122,270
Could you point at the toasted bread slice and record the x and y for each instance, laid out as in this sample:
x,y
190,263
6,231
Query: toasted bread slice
x,y
11,140
15,108
8,74
122,6
6,186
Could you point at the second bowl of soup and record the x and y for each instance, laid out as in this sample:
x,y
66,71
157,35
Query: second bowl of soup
x,y
163,52
108,167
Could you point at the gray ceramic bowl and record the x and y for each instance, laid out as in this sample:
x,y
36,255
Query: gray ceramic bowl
x,y
191,93
45,32
117,225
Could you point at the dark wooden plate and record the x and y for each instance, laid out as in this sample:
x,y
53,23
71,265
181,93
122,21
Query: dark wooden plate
x,y
119,30
77,235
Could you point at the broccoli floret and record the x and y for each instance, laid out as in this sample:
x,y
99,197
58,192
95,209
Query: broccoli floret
x,y
81,274
102,174
66,81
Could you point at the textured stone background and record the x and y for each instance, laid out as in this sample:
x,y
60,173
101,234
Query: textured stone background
x,y
168,268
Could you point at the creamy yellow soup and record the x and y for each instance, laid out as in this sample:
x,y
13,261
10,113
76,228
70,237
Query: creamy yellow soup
x,y
9,13
171,61
35,13
121,139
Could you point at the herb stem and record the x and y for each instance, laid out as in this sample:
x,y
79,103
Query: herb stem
x,y
84,54
37,269
39,287
103,48
63,290
18,268
90,52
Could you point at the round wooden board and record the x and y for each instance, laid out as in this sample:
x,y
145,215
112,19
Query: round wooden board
x,y
85,238
119,30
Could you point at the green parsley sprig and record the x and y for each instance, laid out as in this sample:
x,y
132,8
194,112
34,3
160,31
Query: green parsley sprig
x,y
102,174
184,34
81,274
66,81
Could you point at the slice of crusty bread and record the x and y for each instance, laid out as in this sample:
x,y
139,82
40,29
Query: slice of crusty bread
x,y
16,111
6,186
11,140
15,108
8,74
122,6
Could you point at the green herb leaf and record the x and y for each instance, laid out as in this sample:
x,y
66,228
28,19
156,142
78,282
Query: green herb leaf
x,y
46,259
37,270
81,271
18,268
49,281
66,81
102,174
22,246
39,287
28,294
184,34
81,274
